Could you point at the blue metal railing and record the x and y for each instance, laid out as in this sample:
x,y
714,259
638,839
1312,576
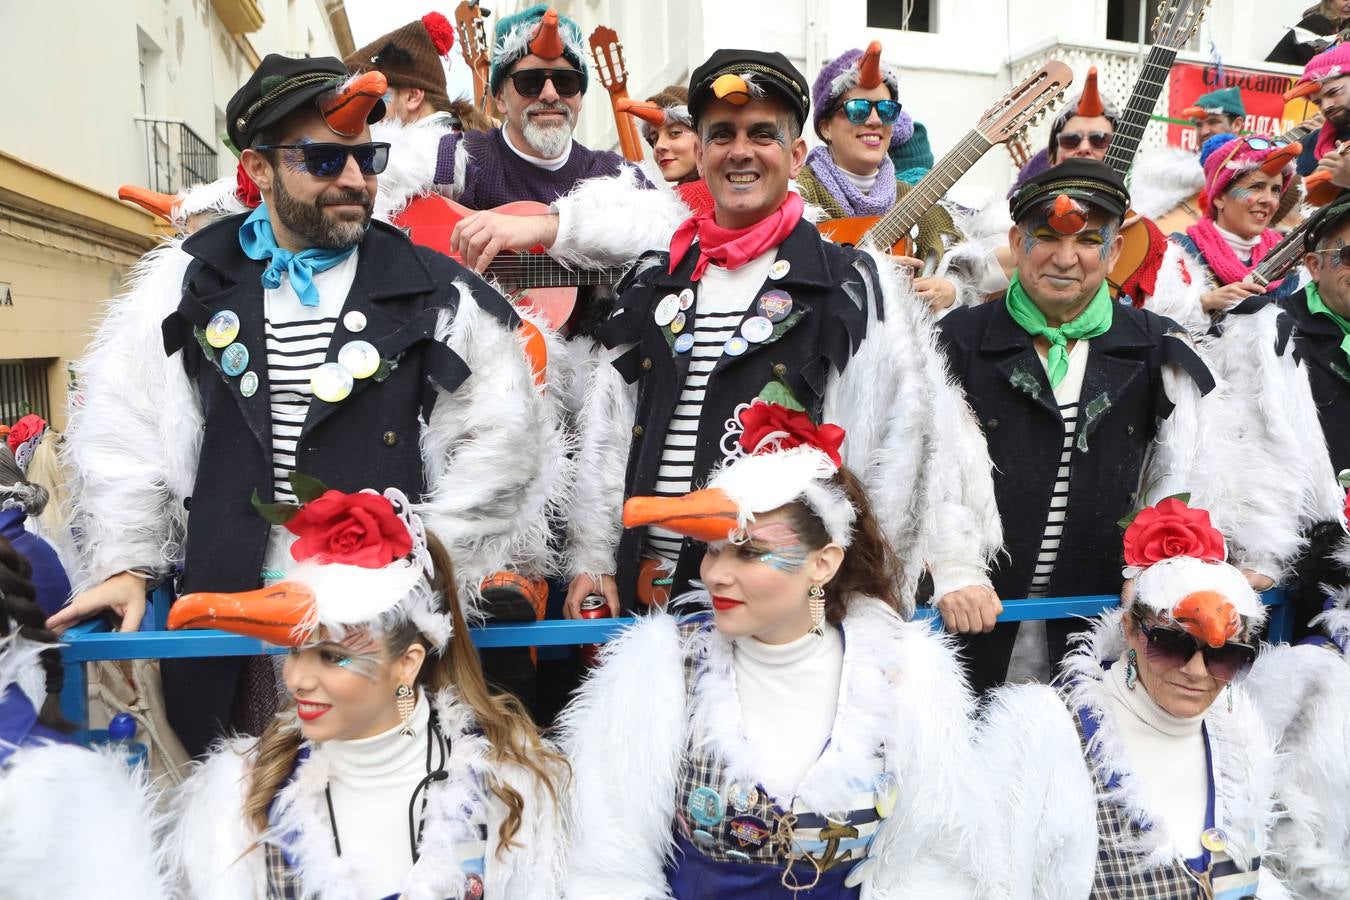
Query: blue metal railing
x,y
92,641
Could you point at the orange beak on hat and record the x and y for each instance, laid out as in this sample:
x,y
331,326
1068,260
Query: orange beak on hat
x,y
869,67
1068,216
731,88
547,42
151,201
347,108
647,111
1090,105
1207,616
1194,112
1302,89
1274,163
272,614
708,515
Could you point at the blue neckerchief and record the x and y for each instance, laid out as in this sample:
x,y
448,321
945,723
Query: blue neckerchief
x,y
258,242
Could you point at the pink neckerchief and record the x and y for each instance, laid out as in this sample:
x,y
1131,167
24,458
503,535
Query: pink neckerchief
x,y
1219,256
732,248
1326,140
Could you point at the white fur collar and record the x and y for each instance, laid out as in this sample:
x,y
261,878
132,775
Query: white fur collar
x,y
21,664
1239,747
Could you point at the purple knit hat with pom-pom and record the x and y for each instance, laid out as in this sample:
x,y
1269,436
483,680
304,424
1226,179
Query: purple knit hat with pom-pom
x,y
847,71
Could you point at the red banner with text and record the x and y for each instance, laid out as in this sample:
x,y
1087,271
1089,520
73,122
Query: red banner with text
x,y
1262,98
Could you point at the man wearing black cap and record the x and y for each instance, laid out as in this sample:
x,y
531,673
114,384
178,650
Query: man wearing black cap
x,y
300,338
1074,392
749,303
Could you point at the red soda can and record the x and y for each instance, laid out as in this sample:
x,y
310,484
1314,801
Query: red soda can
x,y
593,606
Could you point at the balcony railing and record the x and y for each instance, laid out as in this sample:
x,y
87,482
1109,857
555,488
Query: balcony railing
x,y
175,157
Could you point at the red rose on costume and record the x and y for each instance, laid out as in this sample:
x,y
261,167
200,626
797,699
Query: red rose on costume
x,y
788,428
245,189
25,429
1171,528
351,529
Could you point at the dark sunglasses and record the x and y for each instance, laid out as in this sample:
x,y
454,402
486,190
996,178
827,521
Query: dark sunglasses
x,y
1097,140
1172,647
1339,256
530,82
859,110
323,160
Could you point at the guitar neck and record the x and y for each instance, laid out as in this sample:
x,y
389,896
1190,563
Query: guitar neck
x,y
538,270
1283,256
902,217
1130,129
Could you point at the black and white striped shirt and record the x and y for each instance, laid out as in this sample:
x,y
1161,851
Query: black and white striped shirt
x,y
723,298
1067,396
297,338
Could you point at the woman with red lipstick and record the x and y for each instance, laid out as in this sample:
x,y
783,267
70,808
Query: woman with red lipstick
x,y
799,739
396,771
669,131
1146,772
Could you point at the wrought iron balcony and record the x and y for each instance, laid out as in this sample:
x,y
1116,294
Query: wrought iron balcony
x,y
175,157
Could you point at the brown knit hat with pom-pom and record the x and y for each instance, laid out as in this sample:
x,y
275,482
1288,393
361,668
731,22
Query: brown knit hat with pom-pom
x,y
410,56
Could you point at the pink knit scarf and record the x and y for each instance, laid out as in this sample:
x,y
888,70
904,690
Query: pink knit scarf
x,y
1220,258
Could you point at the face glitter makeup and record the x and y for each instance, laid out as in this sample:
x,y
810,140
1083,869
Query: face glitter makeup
x,y
785,551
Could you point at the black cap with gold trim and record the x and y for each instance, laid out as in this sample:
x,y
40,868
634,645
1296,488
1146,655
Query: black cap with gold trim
x,y
279,86
1086,180
738,75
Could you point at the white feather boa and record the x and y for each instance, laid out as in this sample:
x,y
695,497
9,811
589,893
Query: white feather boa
x,y
613,220
411,172
210,843
1162,179
900,690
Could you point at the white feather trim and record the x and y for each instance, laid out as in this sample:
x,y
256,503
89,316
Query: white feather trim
x,y
611,221
847,80
77,823
208,844
1164,584
764,482
1042,810
216,198
411,172
1176,293
1304,694
515,44
21,664
1163,179
135,431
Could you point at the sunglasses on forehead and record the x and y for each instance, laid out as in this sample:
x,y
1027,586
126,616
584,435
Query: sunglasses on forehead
x,y
324,160
1097,140
530,82
1174,648
859,110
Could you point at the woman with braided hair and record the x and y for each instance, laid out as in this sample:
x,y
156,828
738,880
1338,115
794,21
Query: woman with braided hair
x,y
59,799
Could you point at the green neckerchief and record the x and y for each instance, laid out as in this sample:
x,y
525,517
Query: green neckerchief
x,y
1319,306
1094,320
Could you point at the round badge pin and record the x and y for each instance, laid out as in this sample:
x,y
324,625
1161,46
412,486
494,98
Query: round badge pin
x,y
666,310
1214,840
248,385
742,797
222,329
705,806
735,346
686,298
886,791
360,358
779,268
703,838
749,831
774,305
684,343
234,359
756,329
738,855
331,382
858,874
677,323
354,321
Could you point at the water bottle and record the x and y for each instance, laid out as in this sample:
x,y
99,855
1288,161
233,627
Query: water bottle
x,y
121,734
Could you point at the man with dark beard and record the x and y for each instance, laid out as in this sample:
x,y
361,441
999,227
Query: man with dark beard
x,y
302,339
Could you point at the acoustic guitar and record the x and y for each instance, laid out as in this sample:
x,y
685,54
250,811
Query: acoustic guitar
x,y
1173,26
1020,108
607,53
1282,257
473,44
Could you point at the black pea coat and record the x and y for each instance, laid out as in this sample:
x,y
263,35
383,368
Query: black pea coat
x,y
1317,342
1120,408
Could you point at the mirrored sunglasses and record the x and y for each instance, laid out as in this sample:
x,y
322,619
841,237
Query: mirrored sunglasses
x,y
1174,648
1257,143
859,110
1097,140
530,82
325,160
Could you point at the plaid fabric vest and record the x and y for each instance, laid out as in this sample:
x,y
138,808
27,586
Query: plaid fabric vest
x,y
1121,873
739,822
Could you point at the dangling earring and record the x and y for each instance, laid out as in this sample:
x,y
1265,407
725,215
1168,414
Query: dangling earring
x,y
1131,669
815,603
406,704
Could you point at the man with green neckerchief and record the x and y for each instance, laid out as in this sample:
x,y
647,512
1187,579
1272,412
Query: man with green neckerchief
x,y
1077,396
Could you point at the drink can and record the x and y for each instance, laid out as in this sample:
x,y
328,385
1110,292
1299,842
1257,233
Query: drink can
x,y
593,606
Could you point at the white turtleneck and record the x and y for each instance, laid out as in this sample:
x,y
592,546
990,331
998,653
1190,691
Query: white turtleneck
x,y
372,780
788,695
1167,756
1242,246
864,183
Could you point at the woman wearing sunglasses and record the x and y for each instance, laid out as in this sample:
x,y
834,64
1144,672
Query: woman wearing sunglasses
x,y
1146,773
797,739
858,117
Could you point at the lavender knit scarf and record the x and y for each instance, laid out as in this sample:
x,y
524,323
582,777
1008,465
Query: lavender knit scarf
x,y
855,202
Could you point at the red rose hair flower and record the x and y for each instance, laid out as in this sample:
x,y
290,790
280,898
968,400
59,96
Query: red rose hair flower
x,y
769,426
359,529
1170,529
